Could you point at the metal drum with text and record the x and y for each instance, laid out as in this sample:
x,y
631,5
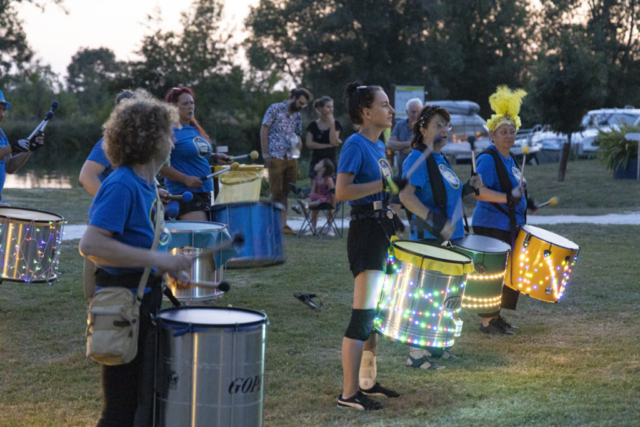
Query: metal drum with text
x,y
483,292
542,264
422,296
261,225
210,367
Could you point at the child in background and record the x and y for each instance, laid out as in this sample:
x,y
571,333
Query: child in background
x,y
320,186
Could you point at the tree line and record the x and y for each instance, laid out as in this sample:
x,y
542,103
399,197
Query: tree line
x,y
570,55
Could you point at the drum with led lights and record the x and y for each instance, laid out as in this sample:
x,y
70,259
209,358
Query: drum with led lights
x,y
483,293
422,294
29,244
542,264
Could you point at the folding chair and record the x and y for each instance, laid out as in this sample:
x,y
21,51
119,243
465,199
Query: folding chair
x,y
311,213
330,213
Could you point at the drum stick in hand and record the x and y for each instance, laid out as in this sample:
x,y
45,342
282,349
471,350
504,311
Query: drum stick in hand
x,y
187,196
551,202
237,240
425,155
254,156
232,167
525,151
472,143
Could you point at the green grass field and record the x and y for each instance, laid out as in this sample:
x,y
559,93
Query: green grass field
x,y
575,363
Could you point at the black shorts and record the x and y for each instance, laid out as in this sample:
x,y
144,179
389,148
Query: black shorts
x,y
200,202
368,244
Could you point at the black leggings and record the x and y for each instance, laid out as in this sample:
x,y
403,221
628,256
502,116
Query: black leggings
x,y
128,389
509,296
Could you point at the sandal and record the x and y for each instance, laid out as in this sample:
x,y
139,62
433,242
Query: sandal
x,y
307,299
423,363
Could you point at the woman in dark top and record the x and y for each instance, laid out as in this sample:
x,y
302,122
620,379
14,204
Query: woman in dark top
x,y
323,135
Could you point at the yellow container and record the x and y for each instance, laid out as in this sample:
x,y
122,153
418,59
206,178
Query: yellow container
x,y
241,185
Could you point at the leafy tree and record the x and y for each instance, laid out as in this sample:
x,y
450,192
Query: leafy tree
x,y
567,84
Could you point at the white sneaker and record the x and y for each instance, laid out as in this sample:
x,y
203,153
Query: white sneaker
x,y
331,233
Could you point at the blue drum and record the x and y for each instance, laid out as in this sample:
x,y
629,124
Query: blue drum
x,y
260,224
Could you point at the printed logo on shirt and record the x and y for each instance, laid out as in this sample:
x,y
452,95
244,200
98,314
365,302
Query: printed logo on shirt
x,y
516,174
385,168
203,147
449,176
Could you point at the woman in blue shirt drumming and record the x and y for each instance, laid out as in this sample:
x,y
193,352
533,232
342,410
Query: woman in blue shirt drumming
x,y
190,159
503,202
433,195
362,184
137,137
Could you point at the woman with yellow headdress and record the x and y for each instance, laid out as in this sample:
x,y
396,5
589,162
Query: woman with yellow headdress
x,y
503,202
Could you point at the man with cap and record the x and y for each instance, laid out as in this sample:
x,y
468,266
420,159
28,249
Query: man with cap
x,y
14,155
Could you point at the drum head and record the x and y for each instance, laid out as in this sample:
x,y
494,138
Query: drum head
x,y
195,226
29,215
549,237
432,252
476,243
214,317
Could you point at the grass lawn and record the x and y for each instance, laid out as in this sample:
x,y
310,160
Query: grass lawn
x,y
575,363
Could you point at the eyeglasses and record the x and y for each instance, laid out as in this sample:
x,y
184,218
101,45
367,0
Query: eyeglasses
x,y
440,127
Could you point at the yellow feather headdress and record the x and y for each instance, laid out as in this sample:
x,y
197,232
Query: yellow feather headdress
x,y
505,103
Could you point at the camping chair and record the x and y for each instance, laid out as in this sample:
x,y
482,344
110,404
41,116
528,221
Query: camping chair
x,y
311,213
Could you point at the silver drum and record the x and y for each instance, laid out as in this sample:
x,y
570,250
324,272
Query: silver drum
x,y
210,367
191,238
29,244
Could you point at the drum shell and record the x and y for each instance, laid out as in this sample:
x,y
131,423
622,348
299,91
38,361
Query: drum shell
x,y
212,376
261,226
36,236
530,271
202,270
483,295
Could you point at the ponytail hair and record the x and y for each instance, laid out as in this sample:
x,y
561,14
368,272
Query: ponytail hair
x,y
427,113
321,102
358,97
172,98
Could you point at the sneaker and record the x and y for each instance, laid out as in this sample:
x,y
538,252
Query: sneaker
x,y
297,209
378,390
288,230
359,402
423,362
506,324
331,233
448,356
495,327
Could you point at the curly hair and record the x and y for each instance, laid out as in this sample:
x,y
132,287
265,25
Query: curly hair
x,y
427,113
138,129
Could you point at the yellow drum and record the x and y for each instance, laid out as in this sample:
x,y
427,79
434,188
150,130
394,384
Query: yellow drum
x,y
542,263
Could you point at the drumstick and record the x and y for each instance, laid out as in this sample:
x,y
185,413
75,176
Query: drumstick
x,y
525,151
425,154
43,123
237,240
254,155
472,143
551,202
232,167
222,286
187,196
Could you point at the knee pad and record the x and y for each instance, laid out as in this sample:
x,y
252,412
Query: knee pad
x,y
361,324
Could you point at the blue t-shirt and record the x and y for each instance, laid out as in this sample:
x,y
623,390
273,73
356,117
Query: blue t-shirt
x,y
485,214
3,172
360,157
420,180
97,155
126,205
191,157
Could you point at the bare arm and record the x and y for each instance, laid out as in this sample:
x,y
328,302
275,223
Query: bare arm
x,y
16,162
311,144
394,144
175,175
334,134
89,176
410,200
346,190
100,247
489,195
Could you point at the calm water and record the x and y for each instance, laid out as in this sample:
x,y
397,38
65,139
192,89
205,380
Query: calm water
x,y
45,172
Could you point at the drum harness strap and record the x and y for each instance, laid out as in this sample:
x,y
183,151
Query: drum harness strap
x,y
439,196
377,210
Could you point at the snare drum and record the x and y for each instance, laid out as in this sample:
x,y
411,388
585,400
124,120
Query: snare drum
x,y
542,263
261,226
210,367
421,298
483,292
29,244
191,238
